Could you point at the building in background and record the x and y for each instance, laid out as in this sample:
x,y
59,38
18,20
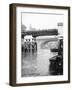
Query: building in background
x,y
60,28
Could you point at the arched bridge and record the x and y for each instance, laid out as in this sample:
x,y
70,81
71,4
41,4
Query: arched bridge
x,y
40,33
43,41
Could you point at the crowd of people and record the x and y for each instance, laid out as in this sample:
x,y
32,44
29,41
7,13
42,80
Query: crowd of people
x,y
29,45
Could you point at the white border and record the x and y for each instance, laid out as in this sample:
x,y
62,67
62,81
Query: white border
x,y
18,47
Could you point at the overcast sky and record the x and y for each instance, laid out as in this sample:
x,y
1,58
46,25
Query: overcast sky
x,y
41,21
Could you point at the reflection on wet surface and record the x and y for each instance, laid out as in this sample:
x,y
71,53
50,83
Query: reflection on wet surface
x,y
36,63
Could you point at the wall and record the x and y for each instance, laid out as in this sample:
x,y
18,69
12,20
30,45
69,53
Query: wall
x,y
4,45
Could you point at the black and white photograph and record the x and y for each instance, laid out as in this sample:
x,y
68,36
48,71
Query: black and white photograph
x,y
41,44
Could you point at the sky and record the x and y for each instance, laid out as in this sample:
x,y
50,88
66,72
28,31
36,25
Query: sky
x,y
41,21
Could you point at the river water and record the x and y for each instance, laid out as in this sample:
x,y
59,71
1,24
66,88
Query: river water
x,y
36,63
